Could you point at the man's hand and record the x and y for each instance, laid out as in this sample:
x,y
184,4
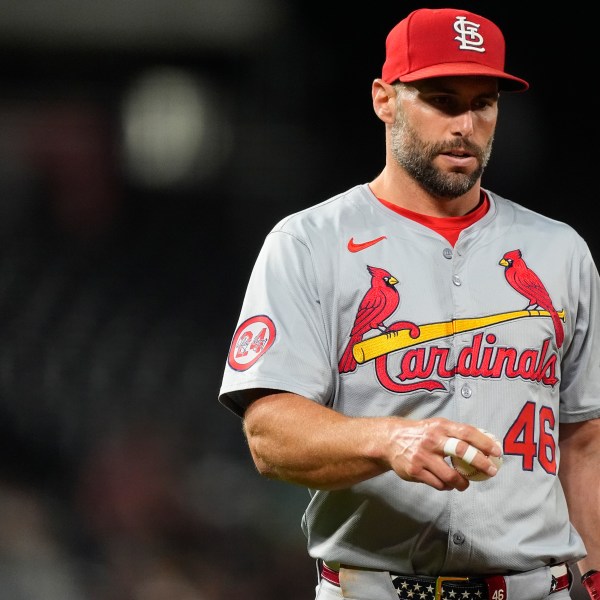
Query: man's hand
x,y
417,451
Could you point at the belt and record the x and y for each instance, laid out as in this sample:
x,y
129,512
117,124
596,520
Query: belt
x,y
422,587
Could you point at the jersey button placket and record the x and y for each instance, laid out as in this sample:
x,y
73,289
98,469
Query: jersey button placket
x,y
459,548
453,257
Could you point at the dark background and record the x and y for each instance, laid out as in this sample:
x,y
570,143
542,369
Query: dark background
x,y
146,150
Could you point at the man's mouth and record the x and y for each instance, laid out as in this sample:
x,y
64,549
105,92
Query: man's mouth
x,y
460,153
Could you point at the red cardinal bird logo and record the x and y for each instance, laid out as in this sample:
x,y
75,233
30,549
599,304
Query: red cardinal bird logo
x,y
380,301
527,283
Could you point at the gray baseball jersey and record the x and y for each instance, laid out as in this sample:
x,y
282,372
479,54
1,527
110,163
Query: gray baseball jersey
x,y
368,312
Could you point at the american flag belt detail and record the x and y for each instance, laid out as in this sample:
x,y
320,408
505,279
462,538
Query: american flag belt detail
x,y
412,587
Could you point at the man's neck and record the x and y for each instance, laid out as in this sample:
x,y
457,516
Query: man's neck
x,y
400,189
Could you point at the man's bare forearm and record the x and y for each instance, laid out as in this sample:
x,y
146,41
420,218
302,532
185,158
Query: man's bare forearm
x,y
580,457
294,439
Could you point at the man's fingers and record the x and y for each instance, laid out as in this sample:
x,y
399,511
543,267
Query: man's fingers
x,y
450,446
450,449
470,454
441,476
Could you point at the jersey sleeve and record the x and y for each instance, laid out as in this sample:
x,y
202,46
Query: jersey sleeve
x,y
580,379
280,341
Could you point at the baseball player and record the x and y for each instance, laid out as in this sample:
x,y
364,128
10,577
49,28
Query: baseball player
x,y
423,354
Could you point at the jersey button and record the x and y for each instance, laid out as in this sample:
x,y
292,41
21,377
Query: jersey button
x,y
456,280
458,538
466,391
447,253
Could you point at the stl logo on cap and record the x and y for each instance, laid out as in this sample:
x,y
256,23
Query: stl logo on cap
x,y
447,42
468,35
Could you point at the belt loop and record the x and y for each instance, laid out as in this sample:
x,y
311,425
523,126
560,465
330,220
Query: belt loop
x,y
440,581
329,574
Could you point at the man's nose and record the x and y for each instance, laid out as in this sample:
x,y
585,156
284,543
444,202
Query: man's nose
x,y
462,124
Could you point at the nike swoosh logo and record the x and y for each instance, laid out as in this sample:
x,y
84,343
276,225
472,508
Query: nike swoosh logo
x,y
354,247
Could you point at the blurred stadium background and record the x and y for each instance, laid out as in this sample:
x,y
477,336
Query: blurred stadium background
x,y
146,149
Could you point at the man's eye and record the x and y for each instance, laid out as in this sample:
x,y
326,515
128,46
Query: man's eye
x,y
482,104
445,103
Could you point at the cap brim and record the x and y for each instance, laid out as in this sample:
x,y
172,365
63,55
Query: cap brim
x,y
506,82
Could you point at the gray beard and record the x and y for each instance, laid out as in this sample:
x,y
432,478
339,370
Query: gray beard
x,y
416,157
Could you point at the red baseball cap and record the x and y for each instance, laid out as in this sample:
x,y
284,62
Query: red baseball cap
x,y
447,42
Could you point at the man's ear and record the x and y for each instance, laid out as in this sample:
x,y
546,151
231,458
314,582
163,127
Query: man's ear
x,y
384,100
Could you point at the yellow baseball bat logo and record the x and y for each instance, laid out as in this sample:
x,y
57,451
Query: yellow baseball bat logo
x,y
396,340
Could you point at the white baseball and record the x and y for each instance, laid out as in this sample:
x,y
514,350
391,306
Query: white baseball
x,y
469,471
